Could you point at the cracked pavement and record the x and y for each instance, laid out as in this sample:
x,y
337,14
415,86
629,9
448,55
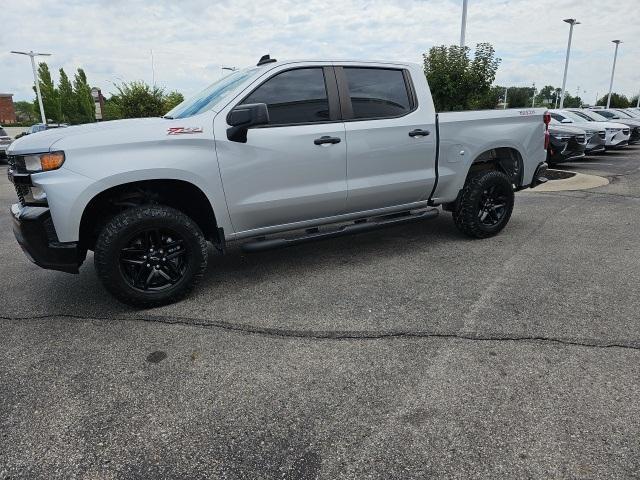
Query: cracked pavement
x,y
410,352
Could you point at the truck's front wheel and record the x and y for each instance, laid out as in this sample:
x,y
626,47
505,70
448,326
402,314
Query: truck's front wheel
x,y
485,204
150,255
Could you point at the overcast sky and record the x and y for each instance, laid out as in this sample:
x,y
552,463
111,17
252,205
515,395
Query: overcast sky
x,y
192,39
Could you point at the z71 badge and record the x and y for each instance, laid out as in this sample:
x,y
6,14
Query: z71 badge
x,y
183,130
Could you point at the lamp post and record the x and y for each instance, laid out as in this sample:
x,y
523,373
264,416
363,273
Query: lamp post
x,y
463,28
533,100
613,70
32,55
506,89
572,22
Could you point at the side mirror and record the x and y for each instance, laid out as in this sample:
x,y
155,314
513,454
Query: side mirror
x,y
243,117
567,120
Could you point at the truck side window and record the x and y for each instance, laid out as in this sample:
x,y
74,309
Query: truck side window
x,y
294,96
377,92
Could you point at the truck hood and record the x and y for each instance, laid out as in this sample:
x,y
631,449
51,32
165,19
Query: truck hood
x,y
45,141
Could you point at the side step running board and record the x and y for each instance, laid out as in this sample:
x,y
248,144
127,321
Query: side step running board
x,y
359,226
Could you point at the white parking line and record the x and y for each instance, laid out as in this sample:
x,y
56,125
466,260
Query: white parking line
x,y
592,163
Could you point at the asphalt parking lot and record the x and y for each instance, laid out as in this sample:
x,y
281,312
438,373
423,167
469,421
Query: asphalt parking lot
x,y
410,352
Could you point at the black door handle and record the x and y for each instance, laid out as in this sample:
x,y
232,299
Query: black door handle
x,y
326,139
418,132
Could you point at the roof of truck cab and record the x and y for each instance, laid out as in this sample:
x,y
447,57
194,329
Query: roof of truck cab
x,y
336,61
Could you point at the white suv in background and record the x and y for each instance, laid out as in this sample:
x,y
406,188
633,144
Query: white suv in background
x,y
5,141
617,134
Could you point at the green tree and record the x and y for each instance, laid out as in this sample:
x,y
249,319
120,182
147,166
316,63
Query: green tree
x,y
111,110
68,107
170,100
519,97
457,81
617,101
491,99
85,107
25,111
138,99
633,101
50,96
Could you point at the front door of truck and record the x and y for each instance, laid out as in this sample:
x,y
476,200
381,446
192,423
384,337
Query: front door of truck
x,y
294,168
391,138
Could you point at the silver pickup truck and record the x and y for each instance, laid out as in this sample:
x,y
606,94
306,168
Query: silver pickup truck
x,y
270,155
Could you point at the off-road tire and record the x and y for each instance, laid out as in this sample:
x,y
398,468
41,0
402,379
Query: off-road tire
x,y
113,239
467,210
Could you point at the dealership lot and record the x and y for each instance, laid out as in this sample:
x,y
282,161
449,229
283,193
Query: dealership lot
x,y
401,353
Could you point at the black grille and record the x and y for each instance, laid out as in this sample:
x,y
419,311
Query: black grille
x,y
22,191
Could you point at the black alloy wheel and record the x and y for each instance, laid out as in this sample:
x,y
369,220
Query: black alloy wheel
x,y
154,259
493,205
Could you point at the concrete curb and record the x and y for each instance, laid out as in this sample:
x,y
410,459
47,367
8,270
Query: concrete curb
x,y
580,181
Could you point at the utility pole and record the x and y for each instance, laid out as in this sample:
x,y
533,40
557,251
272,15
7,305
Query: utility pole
x,y
613,71
153,70
32,55
505,98
572,22
533,100
463,28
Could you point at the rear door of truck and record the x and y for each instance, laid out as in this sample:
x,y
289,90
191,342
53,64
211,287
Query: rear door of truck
x,y
391,135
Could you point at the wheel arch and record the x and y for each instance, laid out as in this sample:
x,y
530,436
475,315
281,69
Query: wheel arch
x,y
505,159
182,195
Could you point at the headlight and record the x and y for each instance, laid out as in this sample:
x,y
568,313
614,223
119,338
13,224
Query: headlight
x,y
613,129
43,162
562,137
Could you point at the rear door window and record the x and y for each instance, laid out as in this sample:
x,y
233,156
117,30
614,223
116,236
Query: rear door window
x,y
377,92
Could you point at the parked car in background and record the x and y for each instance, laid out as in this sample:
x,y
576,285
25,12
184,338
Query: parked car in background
x,y
617,134
620,116
41,127
632,111
5,141
565,143
596,133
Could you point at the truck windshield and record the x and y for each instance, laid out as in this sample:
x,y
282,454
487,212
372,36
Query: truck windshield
x,y
211,95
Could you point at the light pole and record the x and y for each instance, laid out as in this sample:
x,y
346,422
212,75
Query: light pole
x,y
463,28
613,70
32,55
505,98
533,100
571,22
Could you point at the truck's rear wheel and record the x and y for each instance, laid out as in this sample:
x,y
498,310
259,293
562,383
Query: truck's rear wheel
x,y
150,255
485,204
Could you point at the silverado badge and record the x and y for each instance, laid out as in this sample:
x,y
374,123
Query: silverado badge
x,y
183,130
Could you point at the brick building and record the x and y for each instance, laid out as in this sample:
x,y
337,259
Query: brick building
x,y
7,112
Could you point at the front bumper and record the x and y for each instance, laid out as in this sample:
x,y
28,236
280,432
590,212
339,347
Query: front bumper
x,y
36,235
564,151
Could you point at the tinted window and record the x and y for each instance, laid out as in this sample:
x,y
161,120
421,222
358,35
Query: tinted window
x,y
606,114
377,93
3,133
557,117
295,96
